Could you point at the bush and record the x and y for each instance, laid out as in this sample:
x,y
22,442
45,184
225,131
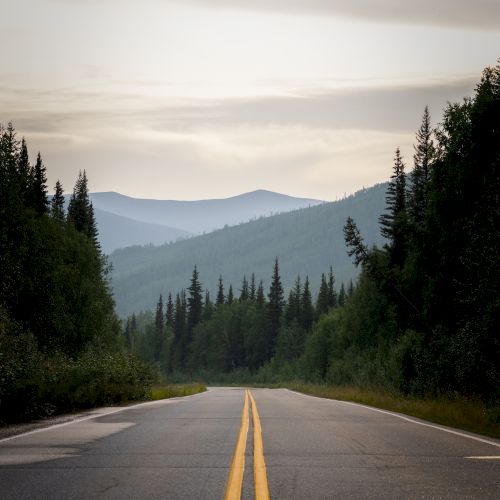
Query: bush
x,y
34,384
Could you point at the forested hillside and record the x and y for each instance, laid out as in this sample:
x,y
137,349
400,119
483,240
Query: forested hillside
x,y
424,317
306,241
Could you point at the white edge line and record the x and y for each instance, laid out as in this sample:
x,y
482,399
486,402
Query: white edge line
x,y
158,402
491,457
402,417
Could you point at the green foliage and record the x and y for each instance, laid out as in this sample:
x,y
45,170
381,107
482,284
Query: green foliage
x,y
35,384
59,335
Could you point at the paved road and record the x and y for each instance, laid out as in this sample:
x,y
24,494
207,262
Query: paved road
x,y
182,449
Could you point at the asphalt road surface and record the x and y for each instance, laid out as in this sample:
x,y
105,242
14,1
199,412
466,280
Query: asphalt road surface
x,y
187,448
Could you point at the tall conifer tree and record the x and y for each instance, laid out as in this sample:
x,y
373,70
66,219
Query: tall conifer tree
x,y
57,203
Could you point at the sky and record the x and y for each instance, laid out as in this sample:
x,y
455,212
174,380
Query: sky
x,y
196,99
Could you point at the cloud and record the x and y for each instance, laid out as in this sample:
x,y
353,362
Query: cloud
x,y
316,143
392,108
477,14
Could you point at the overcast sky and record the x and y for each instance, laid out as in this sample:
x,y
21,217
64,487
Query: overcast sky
x,y
192,99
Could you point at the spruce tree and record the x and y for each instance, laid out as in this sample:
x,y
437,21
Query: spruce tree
x,y
24,173
170,314
274,308
208,307
354,242
332,294
230,295
253,289
57,203
425,153
293,310
81,211
323,302
159,330
393,223
342,296
244,293
220,301
194,302
39,187
307,307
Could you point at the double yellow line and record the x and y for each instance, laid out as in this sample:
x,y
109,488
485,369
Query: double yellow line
x,y
235,478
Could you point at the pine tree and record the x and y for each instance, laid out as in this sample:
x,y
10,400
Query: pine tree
x,y
159,330
307,307
24,172
394,222
230,295
39,187
170,314
208,307
220,301
354,242
425,153
194,301
253,289
244,294
332,294
342,296
81,211
293,310
323,302
275,308
57,203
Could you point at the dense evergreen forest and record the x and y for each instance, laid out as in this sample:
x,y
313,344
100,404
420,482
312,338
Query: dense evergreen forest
x,y
60,344
307,241
424,316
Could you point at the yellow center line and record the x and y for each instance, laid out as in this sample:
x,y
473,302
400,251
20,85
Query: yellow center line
x,y
235,478
259,464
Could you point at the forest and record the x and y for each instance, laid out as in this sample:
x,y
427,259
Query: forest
x,y
60,343
422,319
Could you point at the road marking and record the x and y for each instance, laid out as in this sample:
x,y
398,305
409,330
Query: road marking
x,y
259,464
402,417
235,478
484,458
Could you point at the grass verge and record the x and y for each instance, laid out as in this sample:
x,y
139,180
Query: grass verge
x,y
175,390
458,412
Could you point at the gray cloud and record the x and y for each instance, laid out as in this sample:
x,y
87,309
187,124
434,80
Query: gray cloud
x,y
384,108
388,108
480,14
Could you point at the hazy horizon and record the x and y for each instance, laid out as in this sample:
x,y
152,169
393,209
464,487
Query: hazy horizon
x,y
209,99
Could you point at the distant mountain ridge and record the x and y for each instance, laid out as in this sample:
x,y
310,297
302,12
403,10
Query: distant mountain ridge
x,y
201,215
116,231
306,241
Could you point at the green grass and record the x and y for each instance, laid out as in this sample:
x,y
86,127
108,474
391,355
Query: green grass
x,y
459,412
175,390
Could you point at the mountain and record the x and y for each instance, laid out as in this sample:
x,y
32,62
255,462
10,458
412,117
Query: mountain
x,y
203,215
116,231
306,241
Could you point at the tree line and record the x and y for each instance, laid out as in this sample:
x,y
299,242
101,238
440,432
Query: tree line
x,y
240,330
60,344
424,316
